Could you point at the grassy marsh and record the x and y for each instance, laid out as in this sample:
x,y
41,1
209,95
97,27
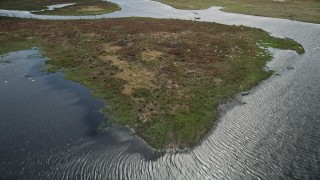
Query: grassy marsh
x,y
81,7
163,78
300,10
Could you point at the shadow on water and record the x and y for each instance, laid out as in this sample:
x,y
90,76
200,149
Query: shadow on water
x,y
93,117
45,119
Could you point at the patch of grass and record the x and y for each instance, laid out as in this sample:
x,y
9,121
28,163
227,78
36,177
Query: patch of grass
x,y
20,41
287,44
164,78
301,10
53,69
84,8
14,47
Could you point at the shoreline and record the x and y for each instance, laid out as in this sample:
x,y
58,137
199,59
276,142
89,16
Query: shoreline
x,y
290,10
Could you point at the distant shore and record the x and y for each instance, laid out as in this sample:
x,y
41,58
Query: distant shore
x,y
306,11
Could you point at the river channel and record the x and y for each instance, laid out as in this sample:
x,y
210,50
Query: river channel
x,y
47,123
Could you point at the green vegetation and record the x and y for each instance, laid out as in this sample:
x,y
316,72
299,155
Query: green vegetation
x,y
81,7
301,10
164,78
18,42
35,4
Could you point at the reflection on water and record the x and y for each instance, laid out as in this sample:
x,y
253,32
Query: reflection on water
x,y
275,135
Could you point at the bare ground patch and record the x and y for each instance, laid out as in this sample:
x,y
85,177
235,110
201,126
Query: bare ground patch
x,y
89,8
136,77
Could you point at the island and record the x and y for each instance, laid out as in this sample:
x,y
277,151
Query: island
x,y
61,7
165,79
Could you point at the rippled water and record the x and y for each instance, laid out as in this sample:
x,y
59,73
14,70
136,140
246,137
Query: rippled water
x,y
275,135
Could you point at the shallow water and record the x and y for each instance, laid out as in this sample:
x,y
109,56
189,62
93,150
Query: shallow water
x,y
275,135
53,7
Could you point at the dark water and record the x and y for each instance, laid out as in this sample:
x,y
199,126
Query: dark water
x,y
275,135
47,121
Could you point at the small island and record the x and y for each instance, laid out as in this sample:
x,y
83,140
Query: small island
x,y
68,7
163,78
